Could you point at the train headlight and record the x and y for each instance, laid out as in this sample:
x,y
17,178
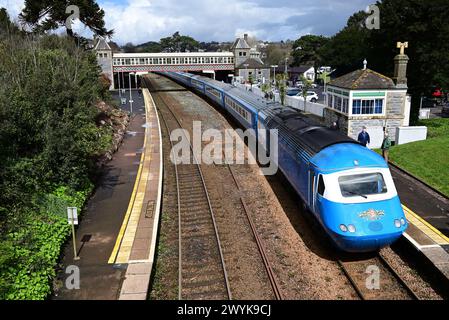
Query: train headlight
x,y
343,228
403,221
397,223
351,228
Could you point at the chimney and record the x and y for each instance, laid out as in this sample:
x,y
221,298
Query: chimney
x,y
245,36
400,66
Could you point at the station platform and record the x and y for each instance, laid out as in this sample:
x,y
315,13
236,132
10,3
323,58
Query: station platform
x,y
428,215
136,241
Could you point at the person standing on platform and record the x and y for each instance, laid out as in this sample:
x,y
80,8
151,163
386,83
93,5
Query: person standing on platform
x,y
364,138
386,145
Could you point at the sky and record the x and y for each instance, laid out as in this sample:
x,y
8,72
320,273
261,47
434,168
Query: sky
x,y
139,21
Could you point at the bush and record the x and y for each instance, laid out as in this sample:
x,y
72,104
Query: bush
x,y
29,256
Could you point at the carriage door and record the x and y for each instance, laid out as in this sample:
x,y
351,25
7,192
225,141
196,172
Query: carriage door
x,y
318,192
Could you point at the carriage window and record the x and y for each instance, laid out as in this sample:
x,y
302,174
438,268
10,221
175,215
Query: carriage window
x,y
362,185
321,186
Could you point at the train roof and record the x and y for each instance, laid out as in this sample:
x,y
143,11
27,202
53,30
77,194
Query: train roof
x,y
304,134
255,102
346,156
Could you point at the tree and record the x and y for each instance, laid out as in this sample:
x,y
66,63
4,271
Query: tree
x,y
179,43
251,81
281,80
306,85
46,15
275,54
307,50
6,26
348,48
423,24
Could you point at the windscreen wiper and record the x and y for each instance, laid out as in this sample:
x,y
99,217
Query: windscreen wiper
x,y
357,194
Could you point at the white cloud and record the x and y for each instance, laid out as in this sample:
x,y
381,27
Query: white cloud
x,y
139,21
14,7
220,20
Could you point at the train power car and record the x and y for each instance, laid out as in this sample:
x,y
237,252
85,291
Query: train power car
x,y
347,187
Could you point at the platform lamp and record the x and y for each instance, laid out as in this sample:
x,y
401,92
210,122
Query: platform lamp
x,y
119,89
130,93
274,72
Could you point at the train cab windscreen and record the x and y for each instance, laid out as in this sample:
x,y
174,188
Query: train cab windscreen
x,y
362,185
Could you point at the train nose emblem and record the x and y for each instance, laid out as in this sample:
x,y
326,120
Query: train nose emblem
x,y
371,214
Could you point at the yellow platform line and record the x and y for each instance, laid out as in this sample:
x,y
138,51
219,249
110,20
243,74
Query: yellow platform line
x,y
121,233
128,239
425,227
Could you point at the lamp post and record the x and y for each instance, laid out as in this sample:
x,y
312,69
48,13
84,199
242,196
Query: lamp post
x,y
274,72
123,82
286,61
130,94
119,89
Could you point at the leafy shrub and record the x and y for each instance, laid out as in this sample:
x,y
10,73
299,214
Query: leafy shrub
x,y
29,256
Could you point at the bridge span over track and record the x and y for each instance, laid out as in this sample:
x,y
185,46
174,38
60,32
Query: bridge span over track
x,y
181,61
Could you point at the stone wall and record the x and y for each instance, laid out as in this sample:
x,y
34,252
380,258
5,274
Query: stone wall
x,y
331,116
395,103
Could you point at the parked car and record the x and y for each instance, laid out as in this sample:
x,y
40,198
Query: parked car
x,y
311,96
293,91
300,84
428,102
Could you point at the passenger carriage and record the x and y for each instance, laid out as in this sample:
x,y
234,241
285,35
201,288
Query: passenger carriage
x,y
347,187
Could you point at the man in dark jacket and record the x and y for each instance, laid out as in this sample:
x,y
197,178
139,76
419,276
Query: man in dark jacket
x,y
364,138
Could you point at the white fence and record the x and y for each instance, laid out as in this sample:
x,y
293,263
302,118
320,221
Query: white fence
x,y
294,102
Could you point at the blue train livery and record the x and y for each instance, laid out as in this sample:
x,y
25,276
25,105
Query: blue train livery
x,y
347,187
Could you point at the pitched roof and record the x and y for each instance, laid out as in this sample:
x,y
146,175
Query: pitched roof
x,y
102,44
252,64
363,79
240,43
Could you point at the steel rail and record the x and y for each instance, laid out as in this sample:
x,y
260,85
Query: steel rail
x,y
217,237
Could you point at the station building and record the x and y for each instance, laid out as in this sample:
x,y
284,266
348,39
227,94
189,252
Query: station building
x,y
248,63
366,98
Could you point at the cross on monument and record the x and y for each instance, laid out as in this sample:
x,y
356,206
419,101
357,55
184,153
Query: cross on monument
x,y
402,46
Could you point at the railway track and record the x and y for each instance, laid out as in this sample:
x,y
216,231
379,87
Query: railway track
x,y
271,276
202,270
373,278
183,179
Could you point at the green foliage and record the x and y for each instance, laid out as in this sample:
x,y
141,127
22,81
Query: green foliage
x,y
46,15
179,43
28,256
306,85
428,160
276,54
49,89
281,84
307,50
422,23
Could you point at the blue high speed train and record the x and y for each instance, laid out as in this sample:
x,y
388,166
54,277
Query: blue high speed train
x,y
347,187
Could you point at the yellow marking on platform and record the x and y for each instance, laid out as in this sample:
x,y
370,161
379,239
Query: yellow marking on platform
x,y
131,228
123,241
425,227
